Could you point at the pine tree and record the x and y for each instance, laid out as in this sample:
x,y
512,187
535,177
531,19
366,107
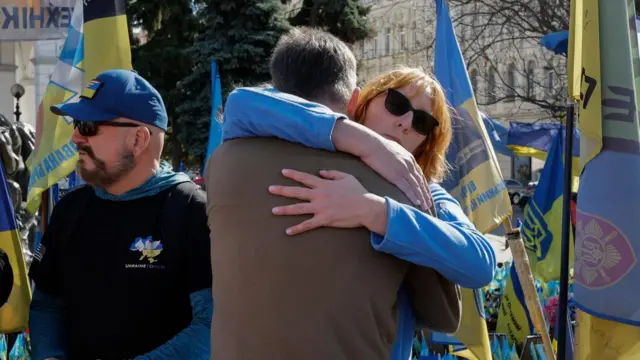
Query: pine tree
x,y
346,19
240,36
169,25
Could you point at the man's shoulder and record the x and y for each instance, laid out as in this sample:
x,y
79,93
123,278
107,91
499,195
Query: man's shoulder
x,y
74,196
189,193
269,145
268,153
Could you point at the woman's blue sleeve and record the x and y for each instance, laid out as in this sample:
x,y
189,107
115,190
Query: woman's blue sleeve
x,y
267,112
450,244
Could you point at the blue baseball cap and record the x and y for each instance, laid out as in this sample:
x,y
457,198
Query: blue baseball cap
x,y
117,93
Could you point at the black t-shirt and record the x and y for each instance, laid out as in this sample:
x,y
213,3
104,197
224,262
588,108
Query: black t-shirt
x,y
125,287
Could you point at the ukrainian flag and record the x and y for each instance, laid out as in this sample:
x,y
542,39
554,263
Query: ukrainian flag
x,y
514,319
542,226
529,139
542,236
98,40
607,232
14,314
55,156
106,35
476,182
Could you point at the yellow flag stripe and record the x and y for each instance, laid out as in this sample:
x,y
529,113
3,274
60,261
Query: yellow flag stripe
x,y
591,88
574,65
597,338
473,331
14,314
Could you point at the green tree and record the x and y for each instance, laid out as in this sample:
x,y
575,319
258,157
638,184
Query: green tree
x,y
166,26
346,19
240,36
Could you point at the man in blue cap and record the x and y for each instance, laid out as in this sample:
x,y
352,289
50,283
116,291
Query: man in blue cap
x,y
123,270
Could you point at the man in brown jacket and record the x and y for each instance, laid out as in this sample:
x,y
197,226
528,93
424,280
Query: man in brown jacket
x,y
327,294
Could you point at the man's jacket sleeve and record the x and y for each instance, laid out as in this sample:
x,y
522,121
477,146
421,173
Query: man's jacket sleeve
x,y
46,313
194,342
46,327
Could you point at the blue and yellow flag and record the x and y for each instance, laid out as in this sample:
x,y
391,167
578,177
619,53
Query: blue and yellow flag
x,y
14,315
607,232
542,236
476,181
513,318
542,225
536,139
106,37
55,156
98,40
528,139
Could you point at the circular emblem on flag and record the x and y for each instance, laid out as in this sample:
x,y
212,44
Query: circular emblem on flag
x,y
603,253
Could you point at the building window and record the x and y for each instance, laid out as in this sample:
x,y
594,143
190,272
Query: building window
x,y
375,46
531,79
403,39
415,35
474,80
550,80
491,86
511,82
387,41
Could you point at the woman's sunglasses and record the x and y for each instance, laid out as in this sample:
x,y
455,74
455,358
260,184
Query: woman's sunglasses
x,y
397,104
90,128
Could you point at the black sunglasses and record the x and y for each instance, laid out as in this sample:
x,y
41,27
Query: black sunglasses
x,y
397,104
90,128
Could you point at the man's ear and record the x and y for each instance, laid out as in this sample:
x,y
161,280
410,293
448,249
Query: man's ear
x,y
142,140
353,103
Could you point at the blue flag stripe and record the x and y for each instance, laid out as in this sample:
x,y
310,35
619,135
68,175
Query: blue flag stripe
x,y
7,215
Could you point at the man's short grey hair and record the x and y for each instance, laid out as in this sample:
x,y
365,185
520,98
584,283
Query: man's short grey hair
x,y
315,65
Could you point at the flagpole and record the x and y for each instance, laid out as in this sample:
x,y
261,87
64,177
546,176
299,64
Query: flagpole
x,y
523,270
566,231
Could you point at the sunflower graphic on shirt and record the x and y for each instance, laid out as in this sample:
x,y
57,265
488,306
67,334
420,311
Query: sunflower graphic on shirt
x,y
149,248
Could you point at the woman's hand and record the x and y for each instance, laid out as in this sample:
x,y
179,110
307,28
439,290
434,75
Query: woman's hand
x,y
336,200
386,157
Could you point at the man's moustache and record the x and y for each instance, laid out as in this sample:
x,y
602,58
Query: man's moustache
x,y
87,149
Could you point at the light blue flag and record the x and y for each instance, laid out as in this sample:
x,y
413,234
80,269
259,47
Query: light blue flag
x,y
608,235
3,347
215,129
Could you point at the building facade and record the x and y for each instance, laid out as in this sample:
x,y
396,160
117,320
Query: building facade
x,y
511,75
30,64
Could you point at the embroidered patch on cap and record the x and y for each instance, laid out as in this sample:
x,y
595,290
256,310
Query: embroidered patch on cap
x,y
90,91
